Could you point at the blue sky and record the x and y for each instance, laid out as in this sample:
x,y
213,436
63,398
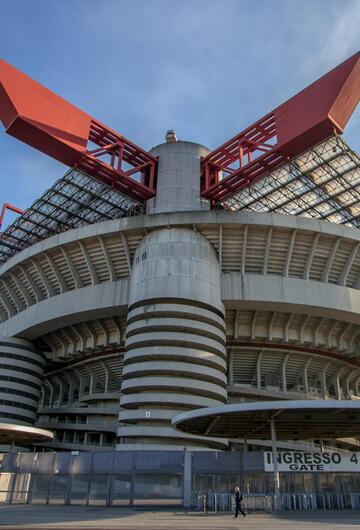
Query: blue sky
x,y
207,68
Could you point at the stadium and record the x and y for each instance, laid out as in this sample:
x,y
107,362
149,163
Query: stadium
x,y
146,284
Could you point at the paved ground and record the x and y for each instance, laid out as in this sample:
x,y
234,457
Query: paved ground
x,y
91,518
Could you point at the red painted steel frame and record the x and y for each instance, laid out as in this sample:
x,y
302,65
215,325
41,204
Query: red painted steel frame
x,y
317,112
8,206
32,113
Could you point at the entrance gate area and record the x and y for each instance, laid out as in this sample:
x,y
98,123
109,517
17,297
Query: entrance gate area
x,y
166,478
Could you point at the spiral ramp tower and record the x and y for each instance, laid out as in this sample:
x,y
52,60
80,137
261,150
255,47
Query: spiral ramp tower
x,y
175,340
117,314
21,373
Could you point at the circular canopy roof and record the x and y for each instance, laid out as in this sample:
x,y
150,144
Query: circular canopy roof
x,y
297,419
23,434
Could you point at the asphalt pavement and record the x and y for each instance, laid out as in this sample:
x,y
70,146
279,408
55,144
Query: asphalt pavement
x,y
16,517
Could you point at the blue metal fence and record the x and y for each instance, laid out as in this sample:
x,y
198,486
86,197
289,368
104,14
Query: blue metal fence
x,y
158,478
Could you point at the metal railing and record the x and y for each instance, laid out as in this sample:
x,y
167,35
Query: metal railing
x,y
218,502
89,421
320,501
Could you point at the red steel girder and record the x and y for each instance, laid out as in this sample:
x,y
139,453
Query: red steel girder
x,y
317,112
42,119
8,206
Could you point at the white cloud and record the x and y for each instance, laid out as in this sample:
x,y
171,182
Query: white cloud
x,y
344,38
336,38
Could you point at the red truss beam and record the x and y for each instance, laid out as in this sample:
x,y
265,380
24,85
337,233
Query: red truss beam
x,y
317,112
35,115
8,206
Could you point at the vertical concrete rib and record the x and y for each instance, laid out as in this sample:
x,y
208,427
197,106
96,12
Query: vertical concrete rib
x,y
73,270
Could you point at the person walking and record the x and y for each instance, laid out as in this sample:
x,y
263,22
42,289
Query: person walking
x,y
238,498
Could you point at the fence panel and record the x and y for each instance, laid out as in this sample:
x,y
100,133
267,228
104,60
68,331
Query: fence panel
x,y
59,488
6,487
39,488
99,489
20,490
158,489
79,488
120,493
158,478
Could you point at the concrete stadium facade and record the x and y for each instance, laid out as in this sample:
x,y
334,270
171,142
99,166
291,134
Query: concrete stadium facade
x,y
130,321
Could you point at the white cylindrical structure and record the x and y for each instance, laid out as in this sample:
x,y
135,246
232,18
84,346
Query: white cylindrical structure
x,y
21,369
178,182
175,343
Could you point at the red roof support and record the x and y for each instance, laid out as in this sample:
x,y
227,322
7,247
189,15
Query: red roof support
x,y
314,114
8,206
40,118
35,115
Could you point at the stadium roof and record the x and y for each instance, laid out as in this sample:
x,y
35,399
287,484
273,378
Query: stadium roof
x,y
322,183
74,200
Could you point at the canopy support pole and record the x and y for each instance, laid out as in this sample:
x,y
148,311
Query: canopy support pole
x,y
275,464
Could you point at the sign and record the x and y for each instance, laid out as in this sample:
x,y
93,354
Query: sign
x,y
305,462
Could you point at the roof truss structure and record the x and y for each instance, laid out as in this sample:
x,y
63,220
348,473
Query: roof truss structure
x,y
74,200
323,183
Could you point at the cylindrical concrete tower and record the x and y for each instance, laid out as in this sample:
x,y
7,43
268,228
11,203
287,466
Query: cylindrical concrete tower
x,y
175,341
21,371
178,183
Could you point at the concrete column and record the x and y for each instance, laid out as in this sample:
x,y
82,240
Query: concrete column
x,y
51,394
323,380
275,463
283,373
258,369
